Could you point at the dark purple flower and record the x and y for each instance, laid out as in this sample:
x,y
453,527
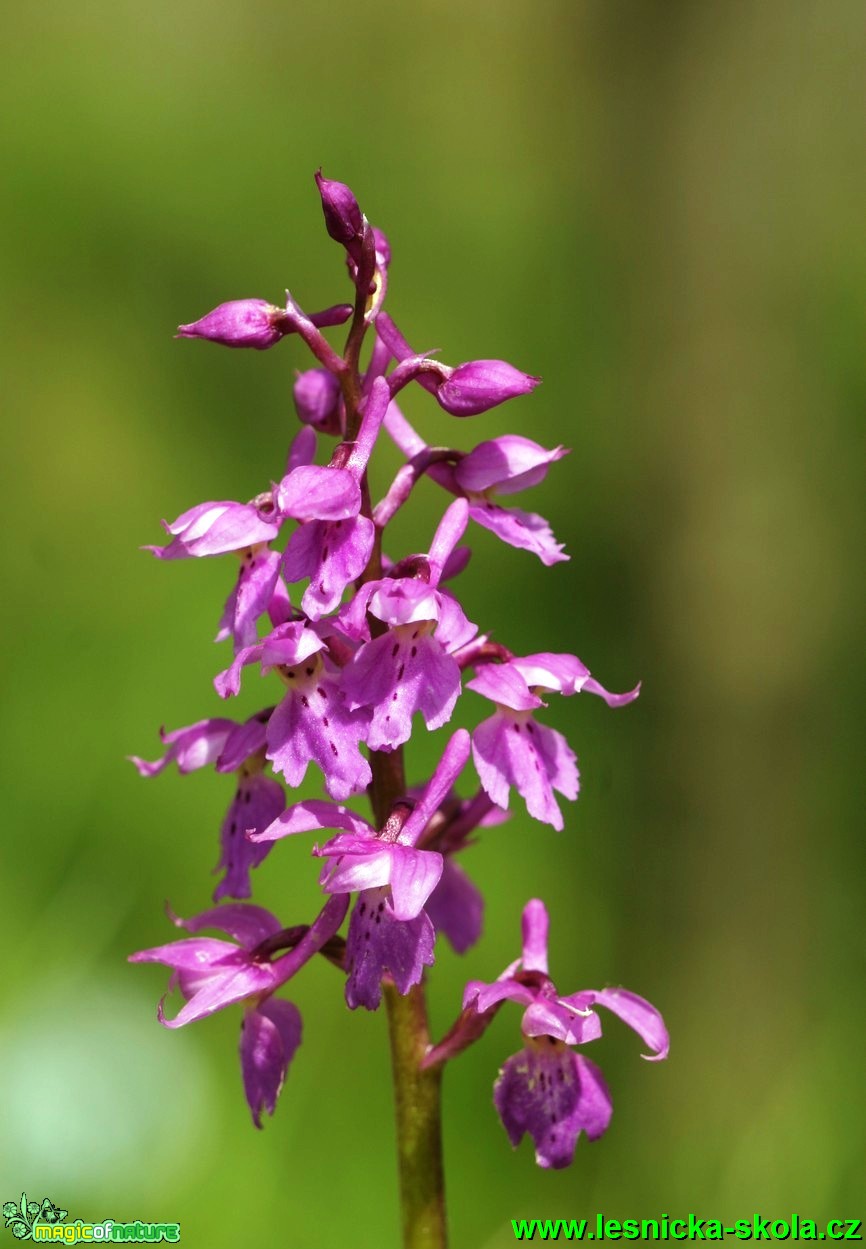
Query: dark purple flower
x,y
546,1089
270,1035
240,323
512,748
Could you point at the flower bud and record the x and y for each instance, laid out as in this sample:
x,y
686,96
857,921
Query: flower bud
x,y
482,384
343,218
317,399
240,323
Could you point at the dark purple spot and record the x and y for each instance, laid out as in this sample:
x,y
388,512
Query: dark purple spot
x,y
400,672
325,721
320,689
414,651
324,553
309,671
396,648
305,700
334,751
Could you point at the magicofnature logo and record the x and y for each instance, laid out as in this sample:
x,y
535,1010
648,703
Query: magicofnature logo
x,y
28,1220
22,1216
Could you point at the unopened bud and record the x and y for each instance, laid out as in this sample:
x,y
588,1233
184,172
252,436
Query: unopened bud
x,y
343,218
239,323
482,384
317,400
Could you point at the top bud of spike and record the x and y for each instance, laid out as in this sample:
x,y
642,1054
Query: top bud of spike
x,y
343,218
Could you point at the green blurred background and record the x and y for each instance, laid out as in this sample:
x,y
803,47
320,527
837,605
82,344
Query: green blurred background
x,y
657,206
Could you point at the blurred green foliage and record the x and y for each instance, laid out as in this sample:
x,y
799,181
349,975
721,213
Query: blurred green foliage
x,y
658,206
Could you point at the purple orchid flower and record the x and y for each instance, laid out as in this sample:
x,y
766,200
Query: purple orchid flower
x,y
313,723
245,529
217,529
504,466
212,974
389,930
410,667
192,747
334,551
257,800
512,748
546,1089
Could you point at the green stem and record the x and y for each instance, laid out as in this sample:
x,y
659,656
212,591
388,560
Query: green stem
x,y
419,1133
417,1093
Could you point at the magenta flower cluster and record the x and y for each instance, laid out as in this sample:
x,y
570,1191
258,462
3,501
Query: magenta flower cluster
x,y
356,644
